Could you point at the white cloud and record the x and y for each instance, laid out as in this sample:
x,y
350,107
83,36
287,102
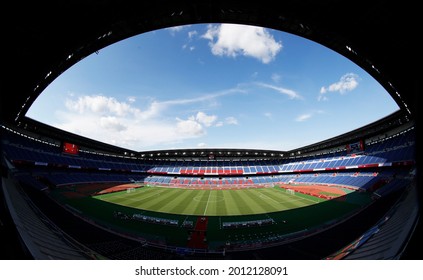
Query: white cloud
x,y
268,115
195,125
202,98
347,82
322,96
275,77
205,119
233,40
131,99
227,121
188,47
110,106
306,116
231,120
189,127
122,123
99,104
128,131
192,34
303,117
112,123
175,29
289,92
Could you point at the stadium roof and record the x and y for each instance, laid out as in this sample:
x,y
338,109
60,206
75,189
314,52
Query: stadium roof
x,y
40,44
377,128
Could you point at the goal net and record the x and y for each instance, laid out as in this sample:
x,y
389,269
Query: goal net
x,y
289,191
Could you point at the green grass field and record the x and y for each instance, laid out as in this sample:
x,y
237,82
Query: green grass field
x,y
291,213
214,202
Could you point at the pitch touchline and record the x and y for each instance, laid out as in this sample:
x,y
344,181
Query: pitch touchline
x,y
296,199
315,202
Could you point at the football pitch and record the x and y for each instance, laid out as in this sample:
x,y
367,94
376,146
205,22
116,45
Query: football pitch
x,y
172,216
209,202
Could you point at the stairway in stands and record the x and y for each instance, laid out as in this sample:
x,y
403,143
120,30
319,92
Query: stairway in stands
x,y
197,238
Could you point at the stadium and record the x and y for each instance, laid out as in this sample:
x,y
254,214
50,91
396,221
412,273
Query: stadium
x,y
65,196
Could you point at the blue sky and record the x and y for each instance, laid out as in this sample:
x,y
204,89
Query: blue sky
x,y
213,86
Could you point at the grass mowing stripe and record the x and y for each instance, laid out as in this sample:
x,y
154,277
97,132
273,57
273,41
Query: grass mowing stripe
x,y
257,203
178,202
286,201
223,207
136,199
195,207
215,199
207,204
155,203
241,203
296,199
268,198
182,203
122,197
231,203
306,197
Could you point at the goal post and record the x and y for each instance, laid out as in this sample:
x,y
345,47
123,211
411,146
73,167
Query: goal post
x,y
290,191
129,190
